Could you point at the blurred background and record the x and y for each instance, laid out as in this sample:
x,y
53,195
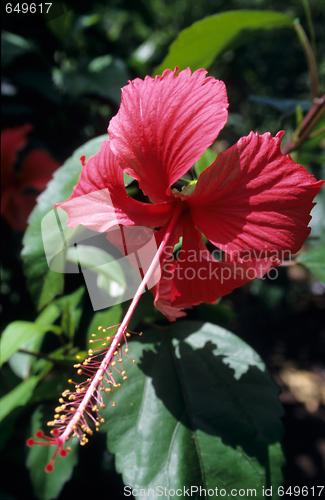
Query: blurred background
x,y
61,78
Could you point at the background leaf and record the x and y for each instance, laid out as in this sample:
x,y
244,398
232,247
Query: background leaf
x,y
19,396
43,283
315,261
198,45
197,409
20,333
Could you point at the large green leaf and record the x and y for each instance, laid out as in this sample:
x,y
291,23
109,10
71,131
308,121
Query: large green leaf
x,y
198,45
43,283
48,486
198,409
315,261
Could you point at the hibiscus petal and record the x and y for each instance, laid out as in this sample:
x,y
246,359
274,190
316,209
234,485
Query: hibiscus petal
x,y
164,125
253,198
99,200
199,277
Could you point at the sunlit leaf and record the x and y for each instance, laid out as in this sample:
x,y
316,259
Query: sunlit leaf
x,y
198,45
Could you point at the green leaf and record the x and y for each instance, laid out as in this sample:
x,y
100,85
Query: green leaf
x,y
205,161
104,76
20,333
13,46
197,46
198,409
43,283
95,258
19,396
48,486
315,261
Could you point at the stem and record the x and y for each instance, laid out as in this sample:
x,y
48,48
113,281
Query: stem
x,y
307,124
120,332
306,7
312,66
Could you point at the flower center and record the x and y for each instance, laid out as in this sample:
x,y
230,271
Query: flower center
x,y
186,190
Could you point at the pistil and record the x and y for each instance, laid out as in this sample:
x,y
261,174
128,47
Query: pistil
x,y
77,425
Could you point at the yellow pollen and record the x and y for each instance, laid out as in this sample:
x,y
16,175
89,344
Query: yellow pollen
x,y
113,404
126,350
99,328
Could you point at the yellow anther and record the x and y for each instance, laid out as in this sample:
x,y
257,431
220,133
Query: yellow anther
x,y
128,334
108,339
56,416
101,389
113,364
124,372
102,420
120,360
70,381
100,379
93,335
72,408
50,424
91,341
78,357
61,400
99,328
126,350
90,352
140,333
79,371
58,409
118,345
125,378
104,344
133,361
115,353
104,329
119,385
94,408
77,365
113,404
115,385
108,389
102,406
97,424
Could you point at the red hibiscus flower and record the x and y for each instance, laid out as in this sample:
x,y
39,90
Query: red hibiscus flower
x,y
252,203
19,188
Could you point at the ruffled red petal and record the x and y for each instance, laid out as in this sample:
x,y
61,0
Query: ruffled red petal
x,y
254,198
99,200
164,125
